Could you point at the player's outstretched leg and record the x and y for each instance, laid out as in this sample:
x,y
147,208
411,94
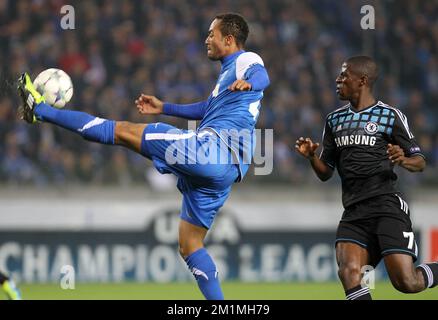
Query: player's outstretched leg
x,y
408,279
9,287
198,260
89,127
351,258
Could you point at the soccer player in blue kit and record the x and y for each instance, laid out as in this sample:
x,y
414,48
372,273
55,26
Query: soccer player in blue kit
x,y
227,117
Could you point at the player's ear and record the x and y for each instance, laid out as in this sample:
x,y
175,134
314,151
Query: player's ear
x,y
364,81
229,40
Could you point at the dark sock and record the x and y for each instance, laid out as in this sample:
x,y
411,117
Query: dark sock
x,y
430,273
358,293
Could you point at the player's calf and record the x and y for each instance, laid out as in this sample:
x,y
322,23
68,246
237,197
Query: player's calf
x,y
349,274
198,260
408,279
205,272
408,283
423,277
89,127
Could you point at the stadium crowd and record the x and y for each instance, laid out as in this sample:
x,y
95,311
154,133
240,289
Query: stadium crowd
x,y
120,49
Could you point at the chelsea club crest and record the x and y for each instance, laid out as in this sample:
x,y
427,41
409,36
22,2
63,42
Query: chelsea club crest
x,y
371,127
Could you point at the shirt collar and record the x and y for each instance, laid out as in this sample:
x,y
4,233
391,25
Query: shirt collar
x,y
364,109
225,60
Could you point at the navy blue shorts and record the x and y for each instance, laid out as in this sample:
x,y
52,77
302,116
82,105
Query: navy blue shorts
x,y
385,229
202,163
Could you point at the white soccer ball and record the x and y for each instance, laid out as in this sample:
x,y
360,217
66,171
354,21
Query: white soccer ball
x,y
56,87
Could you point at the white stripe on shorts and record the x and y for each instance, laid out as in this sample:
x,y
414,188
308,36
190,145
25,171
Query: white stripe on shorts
x,y
168,136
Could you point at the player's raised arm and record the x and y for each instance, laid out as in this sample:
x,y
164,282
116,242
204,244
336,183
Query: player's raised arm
x,y
307,149
150,105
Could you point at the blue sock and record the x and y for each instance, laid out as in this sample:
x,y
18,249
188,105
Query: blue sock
x,y
203,268
89,127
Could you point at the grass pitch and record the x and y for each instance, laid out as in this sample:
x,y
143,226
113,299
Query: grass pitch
x,y
232,291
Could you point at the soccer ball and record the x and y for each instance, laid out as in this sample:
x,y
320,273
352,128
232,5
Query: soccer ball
x,y
55,85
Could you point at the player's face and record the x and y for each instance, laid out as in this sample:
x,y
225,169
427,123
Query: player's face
x,y
347,83
216,42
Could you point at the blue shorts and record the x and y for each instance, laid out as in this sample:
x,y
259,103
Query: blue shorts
x,y
202,164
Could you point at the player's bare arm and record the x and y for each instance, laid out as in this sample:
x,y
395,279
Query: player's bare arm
x,y
397,156
149,105
307,149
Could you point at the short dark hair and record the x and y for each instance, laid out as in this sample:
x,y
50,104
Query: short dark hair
x,y
234,24
364,66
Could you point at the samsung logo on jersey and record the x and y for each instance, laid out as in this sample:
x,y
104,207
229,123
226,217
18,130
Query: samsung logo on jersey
x,y
355,140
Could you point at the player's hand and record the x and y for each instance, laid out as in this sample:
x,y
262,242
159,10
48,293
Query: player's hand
x,y
395,154
240,85
306,147
149,105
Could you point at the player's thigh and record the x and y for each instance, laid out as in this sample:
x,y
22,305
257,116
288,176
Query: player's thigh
x,y
351,255
167,147
355,245
129,134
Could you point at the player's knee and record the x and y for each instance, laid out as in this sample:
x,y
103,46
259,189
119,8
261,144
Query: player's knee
x,y
182,252
122,131
349,273
186,248
128,134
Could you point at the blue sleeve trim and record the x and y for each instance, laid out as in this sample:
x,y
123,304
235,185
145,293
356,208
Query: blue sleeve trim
x,y
417,154
258,77
350,240
192,111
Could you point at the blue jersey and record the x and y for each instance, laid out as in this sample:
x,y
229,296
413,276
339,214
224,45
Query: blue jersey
x,y
232,115
227,128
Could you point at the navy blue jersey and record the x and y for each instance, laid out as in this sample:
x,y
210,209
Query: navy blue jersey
x,y
356,142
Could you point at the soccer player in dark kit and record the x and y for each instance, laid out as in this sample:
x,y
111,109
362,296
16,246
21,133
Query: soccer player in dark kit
x,y
364,140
